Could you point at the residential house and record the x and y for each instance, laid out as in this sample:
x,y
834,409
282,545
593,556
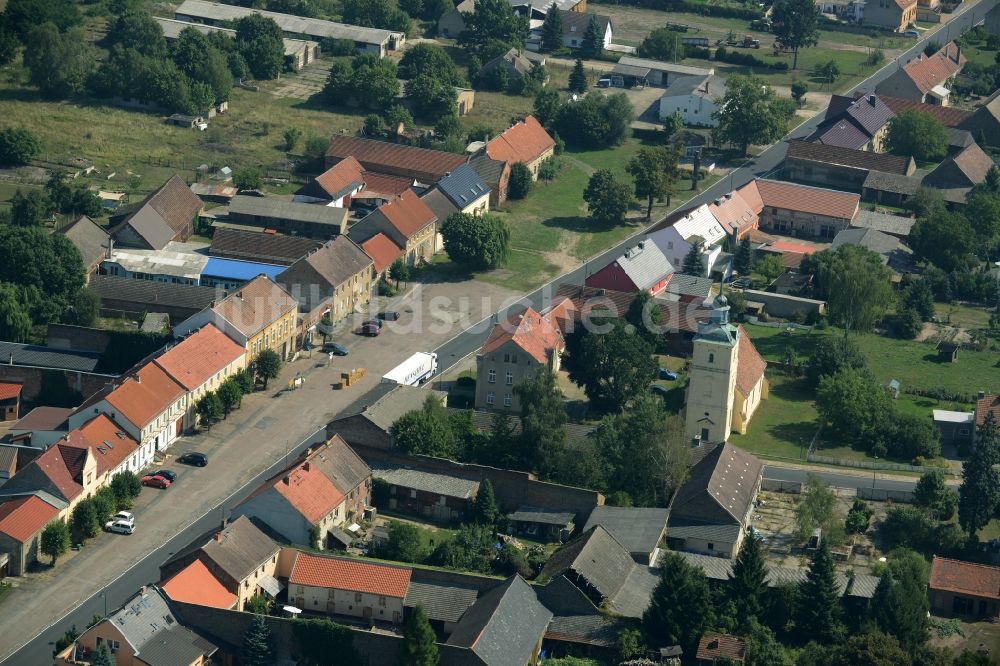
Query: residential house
x,y
143,632
505,626
335,186
418,164
22,520
956,428
327,487
984,123
641,268
656,72
383,253
91,239
515,351
965,589
799,210
260,315
526,142
168,214
10,401
495,173
894,254
333,280
896,15
407,222
515,63
541,524
373,592
958,174
690,289
289,217
440,497
269,248
720,648
452,23
41,427
575,24
538,9
379,190
694,99
122,296
461,191
710,512
925,78
842,168
149,405
949,116
368,421
239,557
639,530
698,228
200,363
860,123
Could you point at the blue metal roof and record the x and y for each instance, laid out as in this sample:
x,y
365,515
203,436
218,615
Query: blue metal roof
x,y
239,270
463,186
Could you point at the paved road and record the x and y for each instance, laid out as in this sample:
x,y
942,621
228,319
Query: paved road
x,y
837,480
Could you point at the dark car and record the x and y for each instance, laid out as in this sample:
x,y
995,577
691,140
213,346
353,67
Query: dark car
x,y
373,322
668,374
388,315
166,474
370,331
194,458
155,481
335,348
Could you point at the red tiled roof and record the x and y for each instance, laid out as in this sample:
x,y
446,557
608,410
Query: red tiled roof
x,y
174,202
791,259
380,156
750,365
523,142
340,175
721,646
929,71
785,246
734,212
985,405
408,213
858,159
388,186
23,517
309,491
905,4
195,584
61,465
981,580
108,443
199,356
9,391
382,251
974,163
352,575
256,305
142,400
532,332
813,200
949,116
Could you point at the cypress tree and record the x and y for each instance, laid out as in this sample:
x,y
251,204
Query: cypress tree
x,y
592,45
818,600
980,491
552,29
578,78
486,505
257,648
419,648
747,580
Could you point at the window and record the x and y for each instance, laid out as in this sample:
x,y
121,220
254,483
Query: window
x,y
711,546
670,245
507,400
357,597
381,601
490,398
492,376
506,359
711,357
513,358
510,378
413,493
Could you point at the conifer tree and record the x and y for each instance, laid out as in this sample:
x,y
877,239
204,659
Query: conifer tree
x,y
578,78
818,600
747,580
980,491
552,30
592,45
693,263
257,647
419,648
487,512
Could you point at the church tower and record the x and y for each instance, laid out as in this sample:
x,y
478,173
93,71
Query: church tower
x,y
712,377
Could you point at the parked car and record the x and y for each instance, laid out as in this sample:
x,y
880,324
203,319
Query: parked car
x,y
370,331
166,474
155,481
335,348
194,458
668,374
388,315
915,34
119,527
123,517
373,322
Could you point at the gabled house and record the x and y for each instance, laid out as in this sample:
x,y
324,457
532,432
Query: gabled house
x,y
335,186
22,520
949,116
698,228
711,510
655,72
178,301
327,487
859,123
463,190
200,363
93,242
334,279
800,210
641,268
196,584
575,24
541,524
41,427
515,350
420,164
268,248
495,173
925,78
694,99
515,63
845,168
894,254
966,589
337,586
407,222
168,214
526,142
896,15
435,496
640,530
383,251
259,315
958,174
984,123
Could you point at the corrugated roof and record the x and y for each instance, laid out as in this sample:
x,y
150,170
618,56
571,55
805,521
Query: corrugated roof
x,y
596,556
858,159
889,182
690,285
22,518
195,584
89,238
673,68
199,356
352,575
379,155
887,223
239,269
530,331
981,580
254,246
543,516
525,141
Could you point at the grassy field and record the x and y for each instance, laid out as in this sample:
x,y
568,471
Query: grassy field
x,y
784,424
962,316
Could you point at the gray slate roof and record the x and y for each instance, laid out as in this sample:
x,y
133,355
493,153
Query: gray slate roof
x,y
280,209
596,557
593,629
680,528
505,625
488,168
151,629
686,85
720,487
876,241
339,463
441,484
89,238
37,356
177,646
463,186
637,529
891,182
188,296
690,285
633,599
439,204
645,264
446,603
532,514
897,225
240,548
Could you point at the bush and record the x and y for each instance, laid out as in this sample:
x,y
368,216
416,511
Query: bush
x,y
549,169
18,146
520,181
858,517
747,60
906,324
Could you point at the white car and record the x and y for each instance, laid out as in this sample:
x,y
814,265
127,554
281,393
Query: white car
x,y
124,517
119,527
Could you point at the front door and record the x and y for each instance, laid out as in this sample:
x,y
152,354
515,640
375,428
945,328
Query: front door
x,y
367,612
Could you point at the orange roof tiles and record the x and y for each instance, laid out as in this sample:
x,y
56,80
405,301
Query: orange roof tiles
x,y
712,647
108,443
340,175
352,575
813,200
929,71
25,516
394,157
734,212
382,251
256,305
974,163
194,360
532,332
797,248
9,391
145,395
750,365
308,490
524,142
195,584
408,213
949,116
980,580
985,405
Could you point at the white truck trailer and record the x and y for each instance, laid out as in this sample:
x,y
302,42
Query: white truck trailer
x,y
413,371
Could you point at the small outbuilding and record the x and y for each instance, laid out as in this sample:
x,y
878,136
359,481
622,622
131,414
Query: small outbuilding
x,y
947,352
541,523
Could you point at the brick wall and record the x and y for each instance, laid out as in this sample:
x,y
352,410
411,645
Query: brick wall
x,y
65,336
31,378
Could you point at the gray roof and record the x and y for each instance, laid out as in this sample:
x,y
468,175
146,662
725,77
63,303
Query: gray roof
x,y
188,296
637,529
44,418
532,514
596,557
296,25
514,61
314,278
690,285
279,209
680,528
633,598
720,487
339,463
631,70
341,536
398,401
37,356
443,602
176,646
959,138
463,186
593,629
873,240
439,204
673,68
148,624
505,626
897,225
891,182
685,85
172,29
645,265
441,484
257,246
240,548
576,23
147,223
89,238
488,168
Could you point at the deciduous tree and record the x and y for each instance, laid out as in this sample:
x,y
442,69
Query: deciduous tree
x,y
654,170
543,437
853,403
818,508
15,320
833,354
476,242
430,97
230,395
86,520
261,43
795,23
18,146
855,283
209,408
403,543
945,239
55,540
607,197
751,113
59,63
597,121
932,493
493,22
614,367
126,486
432,60
248,178
662,44
267,366
917,134
426,431
137,30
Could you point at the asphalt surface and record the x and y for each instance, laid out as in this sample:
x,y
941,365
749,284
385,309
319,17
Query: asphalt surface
x,y
837,480
39,649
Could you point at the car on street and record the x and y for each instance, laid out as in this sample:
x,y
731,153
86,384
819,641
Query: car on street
x,y
119,527
194,458
388,315
124,517
167,474
373,322
370,331
154,481
335,348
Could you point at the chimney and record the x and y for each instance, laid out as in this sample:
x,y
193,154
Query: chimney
x,y
982,395
111,246
871,99
218,537
10,361
142,591
306,466
284,480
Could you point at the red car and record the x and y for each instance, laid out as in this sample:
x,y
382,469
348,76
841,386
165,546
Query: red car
x,y
370,331
155,481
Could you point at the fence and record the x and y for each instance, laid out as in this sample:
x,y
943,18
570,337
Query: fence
x,y
778,486
778,324
882,495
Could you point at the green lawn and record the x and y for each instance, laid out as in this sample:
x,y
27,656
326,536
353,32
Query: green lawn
x,y
784,423
962,316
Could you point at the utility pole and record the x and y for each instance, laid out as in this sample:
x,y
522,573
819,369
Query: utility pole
x,y
696,163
